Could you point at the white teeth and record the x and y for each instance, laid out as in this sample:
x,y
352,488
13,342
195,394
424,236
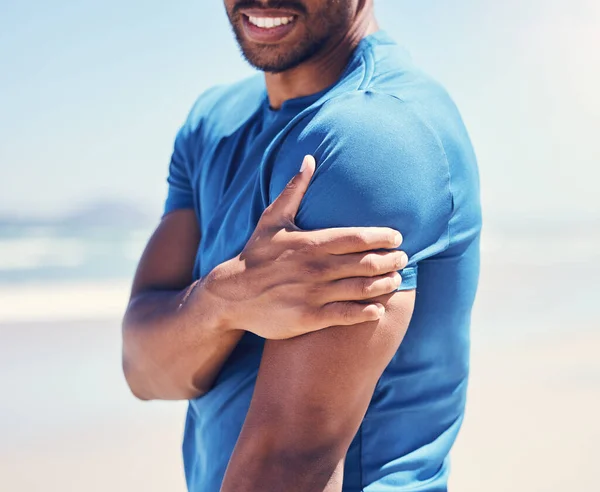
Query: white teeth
x,y
270,22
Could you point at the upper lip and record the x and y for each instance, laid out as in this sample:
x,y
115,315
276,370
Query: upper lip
x,y
268,13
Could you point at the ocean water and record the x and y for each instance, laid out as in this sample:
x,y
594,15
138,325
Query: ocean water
x,y
543,273
63,253
47,254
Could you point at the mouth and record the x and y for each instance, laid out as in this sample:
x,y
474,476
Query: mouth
x,y
268,26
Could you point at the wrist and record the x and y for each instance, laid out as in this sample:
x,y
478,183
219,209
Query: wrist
x,y
215,309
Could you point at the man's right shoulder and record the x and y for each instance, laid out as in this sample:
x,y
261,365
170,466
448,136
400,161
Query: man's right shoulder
x,y
222,108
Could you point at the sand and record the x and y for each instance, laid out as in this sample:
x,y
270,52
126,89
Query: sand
x,y
533,419
69,423
63,301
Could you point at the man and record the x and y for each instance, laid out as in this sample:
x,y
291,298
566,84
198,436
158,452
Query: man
x,y
278,310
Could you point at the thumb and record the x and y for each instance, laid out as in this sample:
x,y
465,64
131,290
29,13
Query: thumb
x,y
286,205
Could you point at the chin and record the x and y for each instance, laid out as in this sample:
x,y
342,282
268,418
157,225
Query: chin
x,y
272,62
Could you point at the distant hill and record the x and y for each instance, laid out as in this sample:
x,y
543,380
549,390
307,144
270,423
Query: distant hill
x,y
110,214
107,214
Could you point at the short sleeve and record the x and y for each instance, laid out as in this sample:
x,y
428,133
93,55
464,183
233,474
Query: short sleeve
x,y
379,165
179,194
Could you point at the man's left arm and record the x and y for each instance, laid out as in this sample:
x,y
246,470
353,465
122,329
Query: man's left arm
x,y
310,398
378,164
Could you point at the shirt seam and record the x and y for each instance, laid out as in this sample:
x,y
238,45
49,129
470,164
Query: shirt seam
x,y
369,70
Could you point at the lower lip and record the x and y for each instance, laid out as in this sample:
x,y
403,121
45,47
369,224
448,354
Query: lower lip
x,y
267,36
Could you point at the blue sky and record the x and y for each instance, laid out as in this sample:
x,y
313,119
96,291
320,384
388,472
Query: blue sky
x,y
92,93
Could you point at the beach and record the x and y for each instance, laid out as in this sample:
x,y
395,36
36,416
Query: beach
x,y
69,423
532,419
109,108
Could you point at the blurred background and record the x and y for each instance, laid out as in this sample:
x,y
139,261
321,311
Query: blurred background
x,y
91,96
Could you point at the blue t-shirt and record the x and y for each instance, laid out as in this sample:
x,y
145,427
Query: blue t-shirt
x,y
391,150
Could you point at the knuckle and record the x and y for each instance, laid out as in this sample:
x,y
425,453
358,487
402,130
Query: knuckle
x,y
303,316
308,320
346,311
361,238
308,244
278,237
366,288
291,186
313,294
370,263
341,310
267,212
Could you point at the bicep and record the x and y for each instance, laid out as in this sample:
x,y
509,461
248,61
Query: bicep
x,y
168,259
313,391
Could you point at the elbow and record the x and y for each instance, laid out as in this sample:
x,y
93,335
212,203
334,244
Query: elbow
x,y
129,365
135,377
134,366
134,381
148,381
153,371
148,387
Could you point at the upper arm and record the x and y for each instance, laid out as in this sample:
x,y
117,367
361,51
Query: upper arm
x,y
311,395
168,259
378,165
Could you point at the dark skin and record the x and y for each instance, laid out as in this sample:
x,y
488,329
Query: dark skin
x,y
313,391
338,320
317,26
177,336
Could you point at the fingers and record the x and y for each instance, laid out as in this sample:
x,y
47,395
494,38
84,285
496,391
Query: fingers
x,y
371,264
361,288
286,205
344,240
350,313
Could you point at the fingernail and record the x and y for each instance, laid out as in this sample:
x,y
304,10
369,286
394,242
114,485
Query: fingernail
x,y
381,309
398,239
404,260
303,166
398,278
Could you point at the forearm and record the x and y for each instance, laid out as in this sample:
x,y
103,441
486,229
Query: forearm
x,y
174,343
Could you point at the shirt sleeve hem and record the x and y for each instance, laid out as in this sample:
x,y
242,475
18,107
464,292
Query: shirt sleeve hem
x,y
409,278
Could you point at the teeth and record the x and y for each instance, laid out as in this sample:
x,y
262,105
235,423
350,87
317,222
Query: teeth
x,y
270,22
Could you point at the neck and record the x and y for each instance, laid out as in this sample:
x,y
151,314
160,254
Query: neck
x,y
322,70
